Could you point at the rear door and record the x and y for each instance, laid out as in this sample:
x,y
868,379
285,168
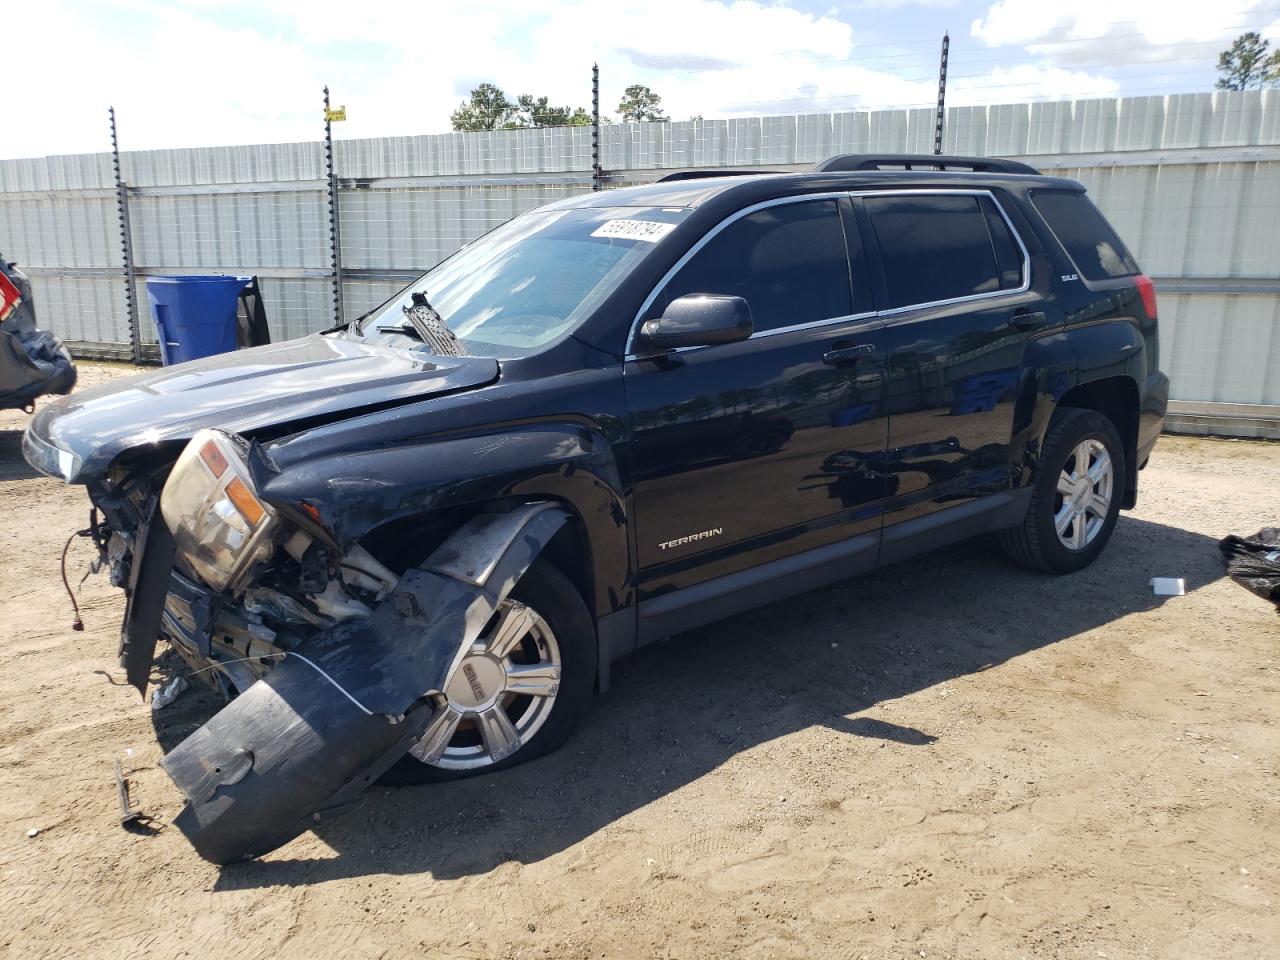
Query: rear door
x,y
754,451
953,277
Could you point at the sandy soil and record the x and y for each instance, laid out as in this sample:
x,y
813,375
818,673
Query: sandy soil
x,y
950,758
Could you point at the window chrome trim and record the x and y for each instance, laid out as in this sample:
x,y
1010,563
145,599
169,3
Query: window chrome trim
x,y
761,334
967,298
836,195
812,324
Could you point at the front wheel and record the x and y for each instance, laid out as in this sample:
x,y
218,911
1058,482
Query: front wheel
x,y
1075,495
519,691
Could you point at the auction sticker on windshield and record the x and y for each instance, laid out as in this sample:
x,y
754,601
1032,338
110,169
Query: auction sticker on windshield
x,y
647,230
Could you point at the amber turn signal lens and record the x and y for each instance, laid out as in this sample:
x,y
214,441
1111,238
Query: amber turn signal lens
x,y
245,501
213,458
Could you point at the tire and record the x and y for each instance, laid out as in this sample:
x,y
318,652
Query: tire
x,y
553,598
1073,434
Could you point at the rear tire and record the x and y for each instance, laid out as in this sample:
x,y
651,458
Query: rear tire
x,y
1075,495
554,599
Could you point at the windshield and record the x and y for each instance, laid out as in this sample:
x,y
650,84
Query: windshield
x,y
533,279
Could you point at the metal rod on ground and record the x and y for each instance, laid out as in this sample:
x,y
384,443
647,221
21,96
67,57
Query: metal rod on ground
x,y
335,249
126,246
595,127
942,95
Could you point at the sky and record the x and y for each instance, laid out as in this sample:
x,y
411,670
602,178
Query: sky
x,y
203,72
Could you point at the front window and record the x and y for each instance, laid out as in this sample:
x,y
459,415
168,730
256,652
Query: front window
x,y
534,279
787,261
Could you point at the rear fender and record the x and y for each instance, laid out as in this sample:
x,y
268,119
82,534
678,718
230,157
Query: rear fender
x,y
304,741
1048,372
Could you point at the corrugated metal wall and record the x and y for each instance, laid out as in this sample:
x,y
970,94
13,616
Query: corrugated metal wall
x,y
1192,182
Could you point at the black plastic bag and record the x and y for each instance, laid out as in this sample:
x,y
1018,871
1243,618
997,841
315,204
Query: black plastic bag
x,y
1254,562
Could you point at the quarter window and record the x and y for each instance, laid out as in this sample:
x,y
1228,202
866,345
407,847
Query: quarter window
x,y
787,261
942,247
1093,246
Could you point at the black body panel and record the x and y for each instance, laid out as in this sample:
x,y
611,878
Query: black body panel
x,y
295,382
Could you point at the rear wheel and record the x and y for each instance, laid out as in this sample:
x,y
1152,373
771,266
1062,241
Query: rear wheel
x,y
519,691
1075,496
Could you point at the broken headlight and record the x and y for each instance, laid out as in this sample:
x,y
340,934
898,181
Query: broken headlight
x,y
219,525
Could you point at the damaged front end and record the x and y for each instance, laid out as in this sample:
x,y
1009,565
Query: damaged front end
x,y
334,664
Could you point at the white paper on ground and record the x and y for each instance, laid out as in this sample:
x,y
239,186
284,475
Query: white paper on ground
x,y
1168,586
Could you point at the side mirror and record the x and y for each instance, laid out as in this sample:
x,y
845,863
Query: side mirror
x,y
698,320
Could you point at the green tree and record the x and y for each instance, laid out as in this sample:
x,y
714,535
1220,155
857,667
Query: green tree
x,y
639,104
537,112
488,109
1248,64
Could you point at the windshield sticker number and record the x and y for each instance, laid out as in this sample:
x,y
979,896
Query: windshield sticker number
x,y
649,231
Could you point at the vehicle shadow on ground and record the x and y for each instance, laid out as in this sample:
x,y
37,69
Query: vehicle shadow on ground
x,y
12,464
681,708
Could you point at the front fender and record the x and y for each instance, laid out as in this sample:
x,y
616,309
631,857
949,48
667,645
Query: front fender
x,y
351,493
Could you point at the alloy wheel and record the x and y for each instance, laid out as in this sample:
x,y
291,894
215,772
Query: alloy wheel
x,y
499,697
1084,492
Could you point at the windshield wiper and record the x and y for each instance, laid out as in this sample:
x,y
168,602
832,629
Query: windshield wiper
x,y
430,327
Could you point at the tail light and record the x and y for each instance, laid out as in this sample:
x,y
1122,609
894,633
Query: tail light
x,y
1147,290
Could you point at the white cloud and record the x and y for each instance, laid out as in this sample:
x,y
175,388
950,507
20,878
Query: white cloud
x,y
1029,82
174,78
199,72
1120,31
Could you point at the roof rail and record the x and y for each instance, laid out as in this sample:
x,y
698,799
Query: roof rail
x,y
707,174
921,161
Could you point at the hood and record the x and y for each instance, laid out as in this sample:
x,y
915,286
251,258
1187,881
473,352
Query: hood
x,y
324,376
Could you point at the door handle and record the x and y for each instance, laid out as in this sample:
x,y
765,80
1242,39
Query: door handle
x,y
1028,320
843,351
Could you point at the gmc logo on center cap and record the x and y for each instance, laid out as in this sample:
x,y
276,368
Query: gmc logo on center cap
x,y
469,672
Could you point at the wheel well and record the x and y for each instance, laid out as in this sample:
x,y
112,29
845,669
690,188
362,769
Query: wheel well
x,y
570,551
408,541
1117,399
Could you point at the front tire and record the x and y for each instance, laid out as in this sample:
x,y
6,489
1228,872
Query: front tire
x,y
1075,495
532,674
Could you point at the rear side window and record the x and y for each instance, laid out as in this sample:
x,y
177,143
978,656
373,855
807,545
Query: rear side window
x,y
1094,248
788,262
943,247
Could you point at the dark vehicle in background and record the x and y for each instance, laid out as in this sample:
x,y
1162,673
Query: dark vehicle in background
x,y
33,362
415,544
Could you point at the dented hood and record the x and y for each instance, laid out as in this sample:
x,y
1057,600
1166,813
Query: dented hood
x,y
323,376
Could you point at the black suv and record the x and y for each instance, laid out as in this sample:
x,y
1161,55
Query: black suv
x,y
415,543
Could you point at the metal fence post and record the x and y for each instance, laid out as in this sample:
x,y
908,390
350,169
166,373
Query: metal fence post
x,y
942,95
335,236
597,175
126,246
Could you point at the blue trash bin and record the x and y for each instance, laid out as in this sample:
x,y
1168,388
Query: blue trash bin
x,y
195,316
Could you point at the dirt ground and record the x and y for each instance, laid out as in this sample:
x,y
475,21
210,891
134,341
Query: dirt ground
x,y
949,758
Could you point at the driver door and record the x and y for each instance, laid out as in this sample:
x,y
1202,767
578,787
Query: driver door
x,y
769,449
